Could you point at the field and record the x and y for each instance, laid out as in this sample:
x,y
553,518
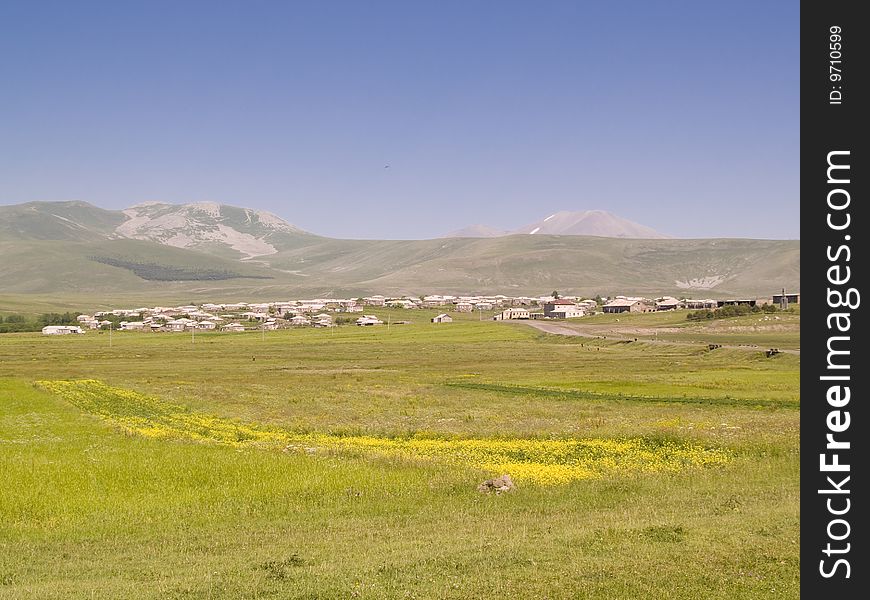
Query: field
x,y
344,463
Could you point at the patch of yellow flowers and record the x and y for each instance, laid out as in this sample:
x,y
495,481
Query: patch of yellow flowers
x,y
537,461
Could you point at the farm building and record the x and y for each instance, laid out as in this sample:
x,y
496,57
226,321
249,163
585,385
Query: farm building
x,y
621,305
740,302
700,304
442,318
668,303
367,320
61,329
512,313
234,327
563,309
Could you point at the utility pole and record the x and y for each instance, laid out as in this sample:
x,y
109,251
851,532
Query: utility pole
x,y
264,330
110,334
192,334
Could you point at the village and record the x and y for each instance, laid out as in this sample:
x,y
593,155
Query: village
x,y
330,312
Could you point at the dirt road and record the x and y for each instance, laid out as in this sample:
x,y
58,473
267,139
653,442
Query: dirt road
x,y
578,329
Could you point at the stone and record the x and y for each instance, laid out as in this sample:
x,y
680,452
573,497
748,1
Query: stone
x,y
497,485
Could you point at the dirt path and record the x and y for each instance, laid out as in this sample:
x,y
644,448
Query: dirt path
x,y
577,329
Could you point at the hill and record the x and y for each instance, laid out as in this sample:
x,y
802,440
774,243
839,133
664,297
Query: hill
x,y
590,222
477,231
219,229
71,250
599,223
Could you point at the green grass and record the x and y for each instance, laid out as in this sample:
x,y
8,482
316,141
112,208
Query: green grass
x,y
310,266
88,511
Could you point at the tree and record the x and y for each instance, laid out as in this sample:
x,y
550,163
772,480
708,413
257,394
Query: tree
x,y
555,294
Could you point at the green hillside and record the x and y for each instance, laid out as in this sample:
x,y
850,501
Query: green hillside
x,y
538,264
75,250
58,221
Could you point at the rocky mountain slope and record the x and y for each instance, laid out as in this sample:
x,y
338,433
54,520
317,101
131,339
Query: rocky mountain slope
x,y
208,250
214,228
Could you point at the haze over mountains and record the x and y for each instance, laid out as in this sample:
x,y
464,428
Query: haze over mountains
x,y
214,251
585,222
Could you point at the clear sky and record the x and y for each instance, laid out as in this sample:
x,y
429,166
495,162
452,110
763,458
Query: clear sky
x,y
682,116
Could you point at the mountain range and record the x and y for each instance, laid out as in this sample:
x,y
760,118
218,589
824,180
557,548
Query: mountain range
x,y
585,222
204,250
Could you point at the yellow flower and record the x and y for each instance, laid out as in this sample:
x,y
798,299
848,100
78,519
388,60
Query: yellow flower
x,y
534,461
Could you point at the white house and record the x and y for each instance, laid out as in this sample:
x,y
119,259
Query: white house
x,y
179,324
563,309
442,318
367,320
512,313
61,329
234,327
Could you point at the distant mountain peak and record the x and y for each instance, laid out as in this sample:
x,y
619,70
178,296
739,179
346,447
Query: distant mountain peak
x,y
600,223
477,231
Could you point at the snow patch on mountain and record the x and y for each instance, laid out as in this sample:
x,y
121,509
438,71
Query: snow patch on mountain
x,y
700,283
200,223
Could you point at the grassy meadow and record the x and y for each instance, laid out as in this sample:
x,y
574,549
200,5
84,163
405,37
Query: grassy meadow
x,y
343,463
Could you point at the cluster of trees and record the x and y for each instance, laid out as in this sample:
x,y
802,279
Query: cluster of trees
x,y
730,311
18,322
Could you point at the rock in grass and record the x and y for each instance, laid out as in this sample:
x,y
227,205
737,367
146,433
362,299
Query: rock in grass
x,y
497,485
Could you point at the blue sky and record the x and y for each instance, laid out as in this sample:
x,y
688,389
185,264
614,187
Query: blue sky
x,y
682,116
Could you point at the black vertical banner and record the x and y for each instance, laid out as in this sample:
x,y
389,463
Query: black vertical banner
x,y
834,428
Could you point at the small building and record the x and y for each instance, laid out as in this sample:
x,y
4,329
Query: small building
x,y
368,320
621,305
322,320
512,313
668,303
738,302
442,318
463,307
61,329
563,309
207,325
131,325
233,327
178,324
374,300
701,304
